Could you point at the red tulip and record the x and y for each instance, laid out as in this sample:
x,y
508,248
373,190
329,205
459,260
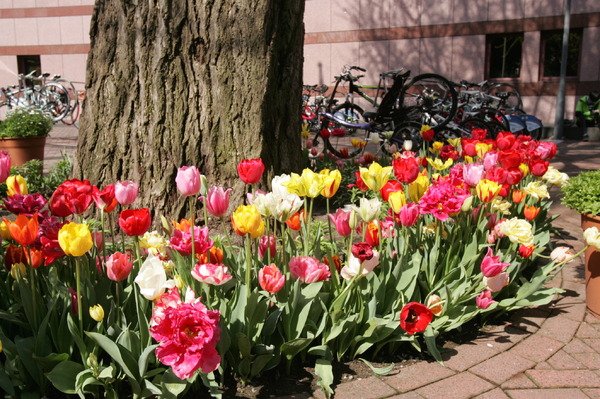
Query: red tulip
x,y
415,317
118,266
510,159
526,250
105,200
428,135
360,184
372,234
251,170
469,147
14,254
362,251
406,170
479,134
390,187
538,167
266,243
135,222
505,140
514,176
271,279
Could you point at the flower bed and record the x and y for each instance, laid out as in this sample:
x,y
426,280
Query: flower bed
x,y
432,241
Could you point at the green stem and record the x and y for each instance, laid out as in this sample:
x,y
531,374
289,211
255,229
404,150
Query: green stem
x,y
33,289
103,238
248,265
192,223
79,301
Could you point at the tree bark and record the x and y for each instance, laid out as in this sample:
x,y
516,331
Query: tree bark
x,y
190,82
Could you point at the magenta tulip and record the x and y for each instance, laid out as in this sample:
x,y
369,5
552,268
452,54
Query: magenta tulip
x,y
266,243
409,214
4,166
118,266
217,201
126,192
188,180
341,220
491,265
484,300
271,279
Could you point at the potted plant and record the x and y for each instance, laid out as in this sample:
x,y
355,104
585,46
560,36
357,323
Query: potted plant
x,y
23,134
582,193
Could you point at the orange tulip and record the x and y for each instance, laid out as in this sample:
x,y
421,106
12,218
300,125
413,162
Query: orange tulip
x,y
530,212
215,255
294,222
518,196
24,230
34,257
183,225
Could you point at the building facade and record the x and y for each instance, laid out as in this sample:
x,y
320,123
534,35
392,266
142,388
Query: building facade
x,y
516,41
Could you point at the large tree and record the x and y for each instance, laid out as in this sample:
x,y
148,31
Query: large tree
x,y
190,82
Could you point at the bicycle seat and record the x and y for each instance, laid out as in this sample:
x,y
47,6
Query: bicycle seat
x,y
369,116
391,74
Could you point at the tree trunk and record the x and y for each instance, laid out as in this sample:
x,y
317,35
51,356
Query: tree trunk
x,y
190,82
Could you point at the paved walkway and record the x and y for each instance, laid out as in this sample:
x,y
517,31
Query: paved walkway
x,y
546,352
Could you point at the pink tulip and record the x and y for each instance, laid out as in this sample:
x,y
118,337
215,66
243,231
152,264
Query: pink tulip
x,y
212,274
217,201
97,238
490,160
266,243
561,254
118,266
409,214
473,173
497,282
491,265
4,166
271,279
126,192
188,180
484,300
308,270
341,220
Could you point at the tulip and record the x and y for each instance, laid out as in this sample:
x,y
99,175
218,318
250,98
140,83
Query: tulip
x,y
368,209
75,239
331,181
491,265
247,220
487,190
24,230
437,163
415,317
181,241
526,250
473,173
435,304
16,184
97,312
354,265
390,187
484,300
308,269
341,221
418,188
406,170
4,230
250,171
530,212
34,257
376,176
105,200
78,195
118,266
562,254
490,160
4,166
497,282
518,196
212,274
397,200
217,201
482,149
362,251
59,203
126,192
152,278
360,184
308,184
295,221
215,255
592,237
372,234
18,270
538,167
409,214
135,222
14,254
266,243
25,204
188,180
427,133
271,279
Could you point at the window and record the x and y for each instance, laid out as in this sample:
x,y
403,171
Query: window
x,y
552,50
504,55
28,63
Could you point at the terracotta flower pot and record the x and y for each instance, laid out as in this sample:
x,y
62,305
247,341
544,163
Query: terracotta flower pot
x,y
592,268
23,149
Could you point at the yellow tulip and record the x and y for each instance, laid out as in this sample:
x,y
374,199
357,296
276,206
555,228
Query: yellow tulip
x,y
376,176
436,147
482,148
455,142
309,184
437,163
417,188
75,239
18,270
305,132
97,312
332,182
487,190
247,220
524,168
397,200
16,184
468,159
4,231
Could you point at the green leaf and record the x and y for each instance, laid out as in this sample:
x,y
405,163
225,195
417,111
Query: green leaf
x,y
5,382
429,336
116,352
25,348
295,346
379,370
324,371
143,360
259,364
244,345
311,290
173,384
64,375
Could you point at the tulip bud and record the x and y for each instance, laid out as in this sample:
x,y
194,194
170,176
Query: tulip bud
x,y
97,312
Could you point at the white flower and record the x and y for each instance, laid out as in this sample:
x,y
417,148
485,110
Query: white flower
x,y
517,230
592,237
553,176
497,282
152,278
283,204
561,254
500,205
537,190
368,209
351,269
154,242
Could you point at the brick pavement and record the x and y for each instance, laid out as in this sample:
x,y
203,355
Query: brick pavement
x,y
547,352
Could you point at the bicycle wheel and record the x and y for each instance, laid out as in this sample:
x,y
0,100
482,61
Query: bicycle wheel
x,y
55,100
431,98
476,123
343,141
406,135
508,96
74,103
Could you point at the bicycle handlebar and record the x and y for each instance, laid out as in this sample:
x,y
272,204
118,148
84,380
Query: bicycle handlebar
x,y
357,68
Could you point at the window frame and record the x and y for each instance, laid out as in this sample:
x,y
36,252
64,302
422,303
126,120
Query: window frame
x,y
488,56
543,39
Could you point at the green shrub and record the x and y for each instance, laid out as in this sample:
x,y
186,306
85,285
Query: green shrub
x,y
582,193
26,122
37,182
